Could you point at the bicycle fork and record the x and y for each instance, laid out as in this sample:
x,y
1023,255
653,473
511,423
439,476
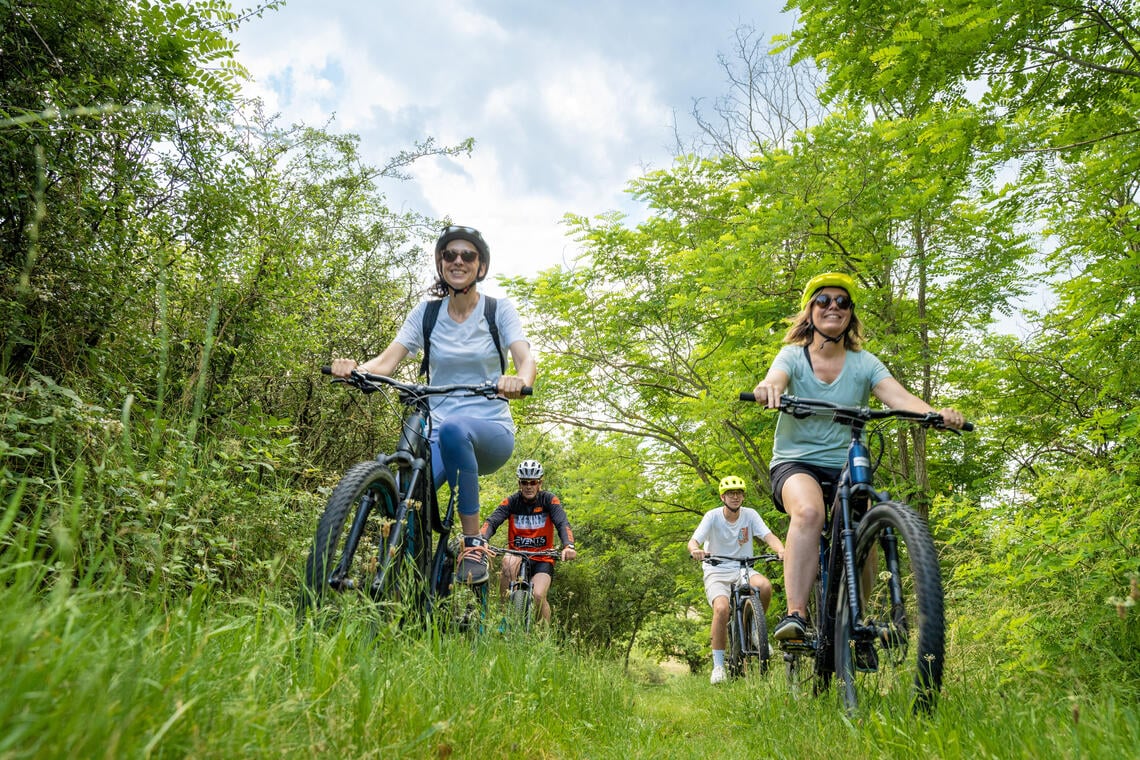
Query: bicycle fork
x,y
339,580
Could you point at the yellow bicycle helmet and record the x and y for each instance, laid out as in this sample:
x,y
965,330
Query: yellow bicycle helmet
x,y
731,483
827,280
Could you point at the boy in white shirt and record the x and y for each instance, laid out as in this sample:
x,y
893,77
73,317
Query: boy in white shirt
x,y
728,531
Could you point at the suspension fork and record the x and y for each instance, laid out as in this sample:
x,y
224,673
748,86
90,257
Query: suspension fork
x,y
337,579
521,581
845,528
890,544
743,587
440,554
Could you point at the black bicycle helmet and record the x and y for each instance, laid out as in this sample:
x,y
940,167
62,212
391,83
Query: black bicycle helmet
x,y
472,236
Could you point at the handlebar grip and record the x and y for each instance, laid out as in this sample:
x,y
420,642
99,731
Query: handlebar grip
x,y
528,390
747,396
968,427
326,369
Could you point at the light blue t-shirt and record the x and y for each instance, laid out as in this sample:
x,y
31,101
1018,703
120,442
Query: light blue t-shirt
x,y
819,440
464,353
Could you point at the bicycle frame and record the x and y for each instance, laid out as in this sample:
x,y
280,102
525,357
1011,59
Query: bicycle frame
x,y
411,514
740,590
841,635
522,582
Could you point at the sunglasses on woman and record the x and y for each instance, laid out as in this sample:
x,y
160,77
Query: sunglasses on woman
x,y
467,256
823,300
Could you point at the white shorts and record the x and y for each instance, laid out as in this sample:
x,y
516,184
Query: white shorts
x,y
721,585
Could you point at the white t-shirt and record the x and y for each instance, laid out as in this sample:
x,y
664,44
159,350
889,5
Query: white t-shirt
x,y
463,352
729,539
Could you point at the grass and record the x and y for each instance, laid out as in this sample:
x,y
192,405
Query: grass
x,y
91,668
112,674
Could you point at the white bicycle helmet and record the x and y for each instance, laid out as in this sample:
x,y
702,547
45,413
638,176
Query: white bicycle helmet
x,y
530,469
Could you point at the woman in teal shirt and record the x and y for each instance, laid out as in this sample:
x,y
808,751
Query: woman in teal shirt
x,y
823,359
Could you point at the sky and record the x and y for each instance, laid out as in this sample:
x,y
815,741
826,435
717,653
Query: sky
x,y
567,100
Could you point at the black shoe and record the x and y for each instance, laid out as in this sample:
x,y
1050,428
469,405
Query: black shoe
x,y
866,659
472,565
791,626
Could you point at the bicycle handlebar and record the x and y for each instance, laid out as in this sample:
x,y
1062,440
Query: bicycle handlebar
x,y
716,559
369,383
548,553
805,407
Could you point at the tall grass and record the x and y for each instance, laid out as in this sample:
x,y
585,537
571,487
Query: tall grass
x,y
94,669
95,664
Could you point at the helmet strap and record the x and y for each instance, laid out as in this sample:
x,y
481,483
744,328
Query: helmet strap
x,y
827,338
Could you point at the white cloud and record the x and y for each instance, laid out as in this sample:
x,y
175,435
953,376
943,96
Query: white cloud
x,y
320,73
567,102
466,22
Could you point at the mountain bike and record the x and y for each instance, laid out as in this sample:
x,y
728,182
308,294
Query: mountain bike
x,y
520,598
383,556
748,651
876,610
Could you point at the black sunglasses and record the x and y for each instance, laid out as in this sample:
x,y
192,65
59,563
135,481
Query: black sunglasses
x,y
529,482
467,256
823,300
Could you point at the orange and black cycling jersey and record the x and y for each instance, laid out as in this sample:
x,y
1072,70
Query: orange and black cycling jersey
x,y
531,525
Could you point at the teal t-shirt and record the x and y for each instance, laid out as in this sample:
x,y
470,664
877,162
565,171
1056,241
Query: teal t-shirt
x,y
818,440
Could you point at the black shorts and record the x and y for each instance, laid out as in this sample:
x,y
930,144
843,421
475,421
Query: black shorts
x,y
827,477
534,567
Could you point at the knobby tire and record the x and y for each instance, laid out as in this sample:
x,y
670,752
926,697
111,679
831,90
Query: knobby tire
x,y
733,655
756,632
368,490
910,644
522,609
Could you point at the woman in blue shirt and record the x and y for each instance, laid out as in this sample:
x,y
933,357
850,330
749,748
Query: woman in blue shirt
x,y
472,435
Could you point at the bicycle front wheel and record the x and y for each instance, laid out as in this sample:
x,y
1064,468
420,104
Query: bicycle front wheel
x,y
893,658
522,608
755,636
346,555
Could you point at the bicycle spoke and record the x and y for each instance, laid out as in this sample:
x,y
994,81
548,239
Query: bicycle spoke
x,y
347,552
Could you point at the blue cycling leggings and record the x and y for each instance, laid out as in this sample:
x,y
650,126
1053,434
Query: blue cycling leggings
x,y
462,449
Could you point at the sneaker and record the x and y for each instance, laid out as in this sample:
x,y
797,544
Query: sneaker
x,y
718,674
866,659
791,626
472,565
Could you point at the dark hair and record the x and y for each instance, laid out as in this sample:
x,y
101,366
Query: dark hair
x,y
456,232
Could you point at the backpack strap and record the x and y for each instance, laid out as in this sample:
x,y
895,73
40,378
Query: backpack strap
x,y
431,315
489,308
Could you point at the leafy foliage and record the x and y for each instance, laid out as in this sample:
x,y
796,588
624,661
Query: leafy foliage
x,y
175,265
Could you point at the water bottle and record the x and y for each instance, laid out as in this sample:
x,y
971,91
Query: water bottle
x,y
859,460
